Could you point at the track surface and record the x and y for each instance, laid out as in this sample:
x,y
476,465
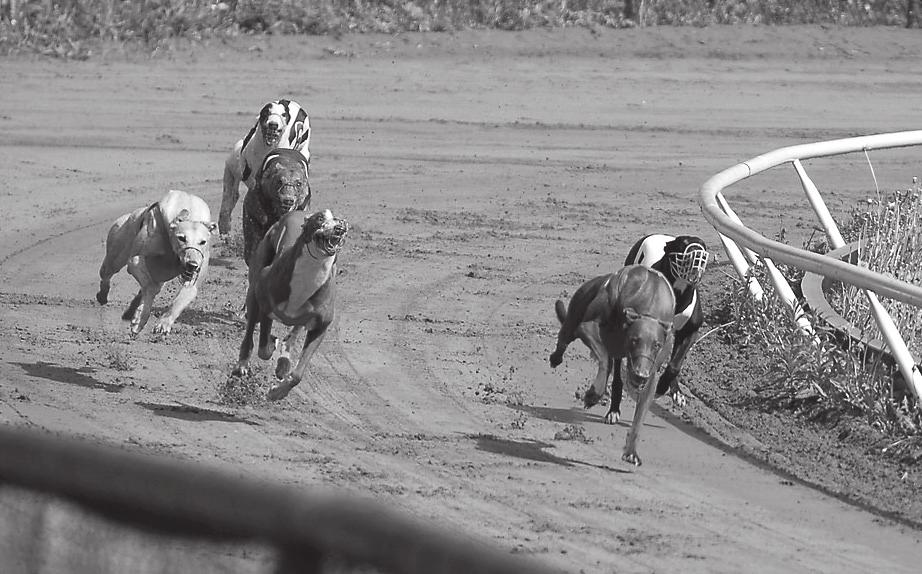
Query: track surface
x,y
485,175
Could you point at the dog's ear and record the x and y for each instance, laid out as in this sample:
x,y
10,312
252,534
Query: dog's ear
x,y
676,245
630,315
183,215
264,113
211,225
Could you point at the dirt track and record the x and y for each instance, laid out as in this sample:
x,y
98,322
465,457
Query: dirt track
x,y
485,175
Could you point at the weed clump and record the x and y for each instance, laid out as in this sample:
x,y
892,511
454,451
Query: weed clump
x,y
825,374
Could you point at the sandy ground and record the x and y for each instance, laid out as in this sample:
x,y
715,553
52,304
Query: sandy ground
x,y
485,175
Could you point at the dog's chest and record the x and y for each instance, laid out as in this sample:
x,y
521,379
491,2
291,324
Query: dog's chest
x,y
307,277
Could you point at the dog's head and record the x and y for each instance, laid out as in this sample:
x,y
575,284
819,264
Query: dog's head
x,y
282,179
645,336
272,121
688,258
325,232
190,240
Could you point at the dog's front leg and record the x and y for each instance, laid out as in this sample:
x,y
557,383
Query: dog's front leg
x,y
283,366
644,400
617,388
669,380
246,346
184,297
137,267
311,342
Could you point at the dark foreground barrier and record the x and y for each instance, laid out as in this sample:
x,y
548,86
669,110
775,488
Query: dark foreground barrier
x,y
247,525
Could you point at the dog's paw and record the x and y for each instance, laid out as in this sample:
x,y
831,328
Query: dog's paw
x,y
163,327
555,359
612,417
591,398
279,391
241,370
631,457
265,353
102,298
282,367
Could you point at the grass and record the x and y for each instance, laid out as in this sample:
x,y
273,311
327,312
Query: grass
x,y
888,229
71,28
832,376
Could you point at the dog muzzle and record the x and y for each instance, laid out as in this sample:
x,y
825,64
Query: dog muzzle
x,y
690,264
641,366
191,265
272,131
288,198
332,239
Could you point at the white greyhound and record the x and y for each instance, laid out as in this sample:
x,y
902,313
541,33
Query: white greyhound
x,y
167,239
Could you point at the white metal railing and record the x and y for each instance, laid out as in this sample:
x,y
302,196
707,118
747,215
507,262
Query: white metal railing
x,y
742,243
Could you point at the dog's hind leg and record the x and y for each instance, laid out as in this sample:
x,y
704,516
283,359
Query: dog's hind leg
x,y
132,308
119,243
283,366
311,342
588,333
231,194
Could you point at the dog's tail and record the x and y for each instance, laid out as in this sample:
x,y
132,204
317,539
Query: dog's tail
x,y
561,308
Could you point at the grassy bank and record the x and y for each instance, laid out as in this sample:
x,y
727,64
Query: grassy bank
x,y
69,28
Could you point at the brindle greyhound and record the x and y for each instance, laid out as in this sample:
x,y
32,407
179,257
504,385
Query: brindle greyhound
x,y
624,315
292,279
281,186
167,239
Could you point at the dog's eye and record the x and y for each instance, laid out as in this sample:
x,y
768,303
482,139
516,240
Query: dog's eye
x,y
181,238
202,242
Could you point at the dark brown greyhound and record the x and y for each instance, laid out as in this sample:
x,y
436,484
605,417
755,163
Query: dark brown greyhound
x,y
624,315
292,279
281,186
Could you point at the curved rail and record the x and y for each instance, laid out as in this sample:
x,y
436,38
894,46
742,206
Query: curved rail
x,y
733,232
178,498
710,196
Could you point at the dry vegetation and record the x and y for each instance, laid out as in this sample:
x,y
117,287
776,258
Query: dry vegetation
x,y
831,375
71,28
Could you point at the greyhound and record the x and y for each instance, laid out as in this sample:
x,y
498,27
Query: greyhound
x,y
624,315
167,239
683,260
292,279
281,186
280,124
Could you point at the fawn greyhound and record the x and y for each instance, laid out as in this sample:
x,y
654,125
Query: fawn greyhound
x,y
625,315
